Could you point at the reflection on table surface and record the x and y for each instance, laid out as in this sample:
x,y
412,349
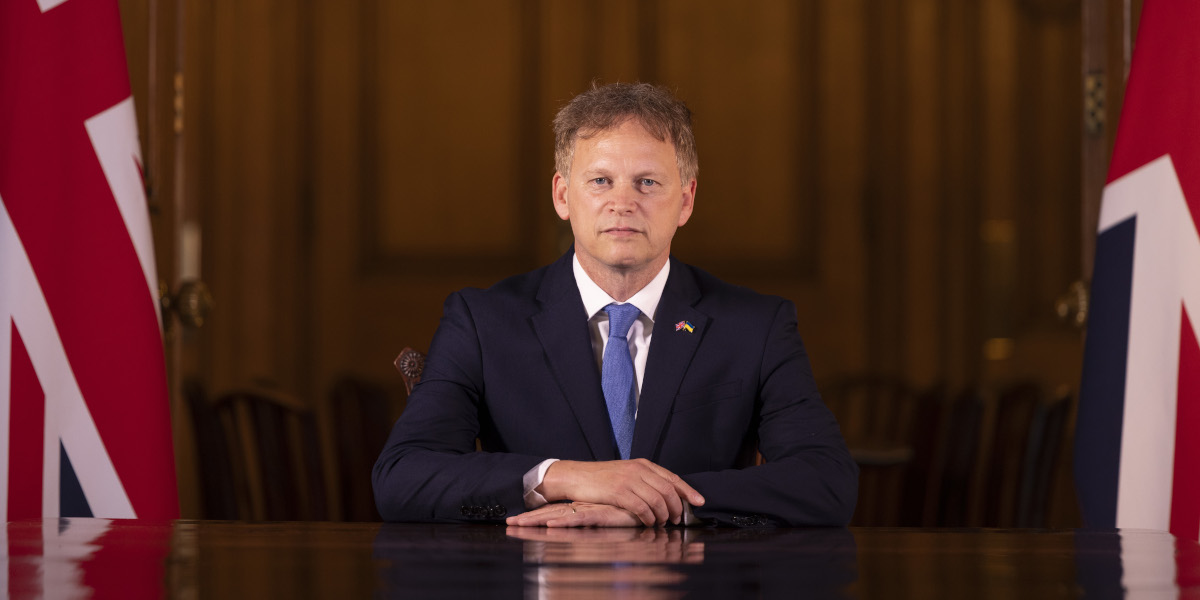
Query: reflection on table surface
x,y
132,559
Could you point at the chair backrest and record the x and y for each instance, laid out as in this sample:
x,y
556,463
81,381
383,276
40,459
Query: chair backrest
x,y
410,363
218,498
1015,435
879,417
955,461
275,456
363,414
1046,440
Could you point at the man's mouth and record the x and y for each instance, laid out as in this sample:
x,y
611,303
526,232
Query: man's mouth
x,y
621,231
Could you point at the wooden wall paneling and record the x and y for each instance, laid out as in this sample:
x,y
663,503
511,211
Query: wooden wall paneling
x,y
962,139
1049,201
436,61
840,346
246,64
198,68
336,189
253,216
1049,112
997,229
999,177
886,195
441,179
811,289
198,147
922,347
752,219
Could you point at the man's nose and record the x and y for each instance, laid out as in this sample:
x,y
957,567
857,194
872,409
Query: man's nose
x,y
623,199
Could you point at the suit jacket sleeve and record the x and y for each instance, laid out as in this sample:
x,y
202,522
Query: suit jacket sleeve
x,y
429,470
809,477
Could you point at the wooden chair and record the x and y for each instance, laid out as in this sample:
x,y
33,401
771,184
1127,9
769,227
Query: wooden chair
x,y
1046,440
276,471
217,495
954,462
410,363
881,419
363,414
1013,449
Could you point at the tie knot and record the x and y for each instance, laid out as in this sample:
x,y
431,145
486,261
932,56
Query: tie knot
x,y
620,318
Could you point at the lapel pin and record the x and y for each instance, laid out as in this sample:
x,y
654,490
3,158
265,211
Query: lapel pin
x,y
685,325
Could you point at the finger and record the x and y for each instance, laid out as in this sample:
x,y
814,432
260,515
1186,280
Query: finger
x,y
539,516
634,503
663,499
569,521
674,504
598,516
682,489
523,517
654,498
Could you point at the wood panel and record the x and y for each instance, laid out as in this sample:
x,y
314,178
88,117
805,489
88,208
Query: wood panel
x,y
436,147
755,215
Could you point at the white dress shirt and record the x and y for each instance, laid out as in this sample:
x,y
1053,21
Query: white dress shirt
x,y
594,301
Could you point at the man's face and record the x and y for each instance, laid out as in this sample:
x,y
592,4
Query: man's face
x,y
624,199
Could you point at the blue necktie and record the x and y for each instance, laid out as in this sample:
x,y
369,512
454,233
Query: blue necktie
x,y
617,377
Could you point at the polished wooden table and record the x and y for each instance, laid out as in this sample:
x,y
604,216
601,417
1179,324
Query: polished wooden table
x,y
61,558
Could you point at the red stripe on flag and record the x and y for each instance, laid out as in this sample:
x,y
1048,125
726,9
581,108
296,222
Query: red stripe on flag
x,y
1160,115
27,425
1185,487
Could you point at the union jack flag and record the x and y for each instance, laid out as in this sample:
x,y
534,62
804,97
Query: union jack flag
x,y
1138,433
84,423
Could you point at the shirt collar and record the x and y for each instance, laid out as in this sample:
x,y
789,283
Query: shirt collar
x,y
595,299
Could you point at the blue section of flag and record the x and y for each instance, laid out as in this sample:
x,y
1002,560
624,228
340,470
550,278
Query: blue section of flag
x,y
71,501
1102,392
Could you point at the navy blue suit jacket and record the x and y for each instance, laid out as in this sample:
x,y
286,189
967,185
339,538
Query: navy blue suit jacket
x,y
513,366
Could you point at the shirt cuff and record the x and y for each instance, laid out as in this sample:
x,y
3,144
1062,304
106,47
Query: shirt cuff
x,y
532,479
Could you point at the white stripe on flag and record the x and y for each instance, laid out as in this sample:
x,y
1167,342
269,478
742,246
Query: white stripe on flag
x,y
46,5
1166,249
114,137
67,417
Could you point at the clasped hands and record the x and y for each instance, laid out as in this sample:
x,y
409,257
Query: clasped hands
x,y
618,493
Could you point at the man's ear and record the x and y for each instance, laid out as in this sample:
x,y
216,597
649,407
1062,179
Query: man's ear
x,y
689,201
558,190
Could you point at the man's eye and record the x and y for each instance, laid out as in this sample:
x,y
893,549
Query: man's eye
x,y
600,181
649,182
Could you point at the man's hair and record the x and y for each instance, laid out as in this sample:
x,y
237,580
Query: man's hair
x,y
605,107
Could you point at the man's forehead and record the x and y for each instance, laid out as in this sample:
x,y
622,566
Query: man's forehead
x,y
585,132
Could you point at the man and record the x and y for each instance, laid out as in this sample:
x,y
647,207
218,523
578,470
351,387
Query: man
x,y
661,425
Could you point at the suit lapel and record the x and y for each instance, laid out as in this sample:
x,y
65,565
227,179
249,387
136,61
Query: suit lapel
x,y
562,328
671,352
